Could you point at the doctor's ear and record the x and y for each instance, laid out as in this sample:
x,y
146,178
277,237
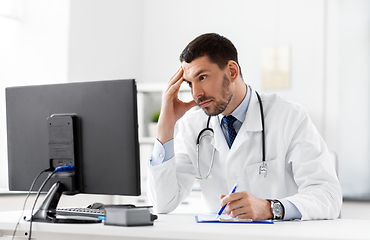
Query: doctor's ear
x,y
233,68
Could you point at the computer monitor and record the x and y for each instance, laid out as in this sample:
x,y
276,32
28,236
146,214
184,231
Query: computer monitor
x,y
102,143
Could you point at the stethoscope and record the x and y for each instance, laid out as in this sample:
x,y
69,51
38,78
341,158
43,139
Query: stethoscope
x,y
262,168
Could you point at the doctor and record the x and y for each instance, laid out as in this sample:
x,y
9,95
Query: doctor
x,y
295,180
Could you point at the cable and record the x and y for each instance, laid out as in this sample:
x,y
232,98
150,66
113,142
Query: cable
x,y
58,169
25,201
37,196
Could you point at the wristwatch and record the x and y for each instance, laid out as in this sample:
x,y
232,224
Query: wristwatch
x,y
277,209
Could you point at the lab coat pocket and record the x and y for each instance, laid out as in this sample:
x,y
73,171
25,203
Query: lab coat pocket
x,y
269,185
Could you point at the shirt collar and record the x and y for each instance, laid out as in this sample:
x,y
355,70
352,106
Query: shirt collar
x,y
241,111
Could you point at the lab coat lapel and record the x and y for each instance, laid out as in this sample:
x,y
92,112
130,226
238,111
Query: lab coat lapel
x,y
253,118
252,123
219,141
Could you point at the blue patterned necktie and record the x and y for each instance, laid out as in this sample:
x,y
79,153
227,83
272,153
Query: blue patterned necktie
x,y
229,120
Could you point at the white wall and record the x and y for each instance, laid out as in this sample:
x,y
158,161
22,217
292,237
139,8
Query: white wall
x,y
105,39
348,86
33,47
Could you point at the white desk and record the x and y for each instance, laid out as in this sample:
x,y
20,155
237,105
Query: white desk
x,y
183,226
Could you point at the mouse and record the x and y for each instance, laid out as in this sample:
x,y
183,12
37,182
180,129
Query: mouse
x,y
96,205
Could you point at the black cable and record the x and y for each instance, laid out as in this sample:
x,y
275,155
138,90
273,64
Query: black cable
x,y
37,196
25,201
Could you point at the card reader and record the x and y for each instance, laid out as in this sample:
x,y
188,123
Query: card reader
x,y
121,215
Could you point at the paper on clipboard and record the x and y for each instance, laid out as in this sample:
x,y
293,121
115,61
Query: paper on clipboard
x,y
224,218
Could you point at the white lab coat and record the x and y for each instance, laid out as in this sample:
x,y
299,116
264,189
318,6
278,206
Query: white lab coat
x,y
299,167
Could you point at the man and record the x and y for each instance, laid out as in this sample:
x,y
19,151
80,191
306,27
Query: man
x,y
296,180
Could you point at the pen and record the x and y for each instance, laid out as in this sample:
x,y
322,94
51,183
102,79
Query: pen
x,y
223,208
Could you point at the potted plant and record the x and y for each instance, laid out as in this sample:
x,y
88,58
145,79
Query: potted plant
x,y
152,126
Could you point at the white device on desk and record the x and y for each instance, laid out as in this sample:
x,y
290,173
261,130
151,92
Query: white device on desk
x,y
121,215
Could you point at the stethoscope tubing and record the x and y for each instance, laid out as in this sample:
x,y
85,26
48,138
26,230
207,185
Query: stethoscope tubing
x,y
263,128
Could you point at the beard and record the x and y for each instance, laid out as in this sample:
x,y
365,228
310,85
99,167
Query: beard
x,y
220,105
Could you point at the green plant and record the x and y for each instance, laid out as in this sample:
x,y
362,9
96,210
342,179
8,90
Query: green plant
x,y
155,116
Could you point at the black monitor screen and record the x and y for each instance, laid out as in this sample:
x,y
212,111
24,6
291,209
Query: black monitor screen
x,y
108,134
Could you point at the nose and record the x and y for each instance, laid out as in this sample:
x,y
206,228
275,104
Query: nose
x,y
197,90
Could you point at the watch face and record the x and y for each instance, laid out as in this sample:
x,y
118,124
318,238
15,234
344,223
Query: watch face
x,y
277,210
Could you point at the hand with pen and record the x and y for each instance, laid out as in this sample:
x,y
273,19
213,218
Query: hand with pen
x,y
246,206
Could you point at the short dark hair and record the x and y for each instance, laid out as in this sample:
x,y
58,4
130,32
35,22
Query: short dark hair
x,y
219,50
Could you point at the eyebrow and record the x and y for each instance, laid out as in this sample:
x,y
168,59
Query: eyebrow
x,y
195,75
199,72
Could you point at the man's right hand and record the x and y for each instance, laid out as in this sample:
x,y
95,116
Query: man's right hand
x,y
172,108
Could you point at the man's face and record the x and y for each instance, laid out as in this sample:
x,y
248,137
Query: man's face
x,y
209,85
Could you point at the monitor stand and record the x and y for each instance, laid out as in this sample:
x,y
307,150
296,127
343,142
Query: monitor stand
x,y
47,211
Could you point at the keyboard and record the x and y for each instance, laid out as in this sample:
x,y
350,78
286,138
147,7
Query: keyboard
x,y
80,212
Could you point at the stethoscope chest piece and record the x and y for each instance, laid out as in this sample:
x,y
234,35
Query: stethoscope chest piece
x,y
263,169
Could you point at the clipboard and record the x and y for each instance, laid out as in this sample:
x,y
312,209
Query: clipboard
x,y
206,218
